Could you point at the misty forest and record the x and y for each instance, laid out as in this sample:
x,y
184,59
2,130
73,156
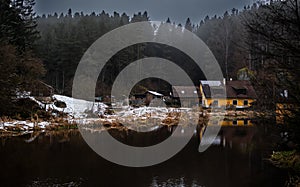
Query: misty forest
x,y
259,43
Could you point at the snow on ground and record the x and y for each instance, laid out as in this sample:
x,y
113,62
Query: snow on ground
x,y
23,125
77,107
78,111
138,112
153,111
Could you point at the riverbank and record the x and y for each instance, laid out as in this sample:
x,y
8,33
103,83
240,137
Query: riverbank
x,y
146,118
290,161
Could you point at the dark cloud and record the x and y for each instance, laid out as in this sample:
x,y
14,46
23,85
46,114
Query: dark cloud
x,y
177,10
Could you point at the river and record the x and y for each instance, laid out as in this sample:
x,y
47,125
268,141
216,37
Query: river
x,y
62,158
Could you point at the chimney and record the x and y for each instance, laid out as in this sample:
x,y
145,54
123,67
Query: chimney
x,y
286,93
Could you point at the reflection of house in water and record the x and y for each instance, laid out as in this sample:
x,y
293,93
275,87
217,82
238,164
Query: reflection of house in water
x,y
239,94
241,136
188,96
236,122
233,132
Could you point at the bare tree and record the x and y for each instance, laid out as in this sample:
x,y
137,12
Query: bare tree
x,y
274,45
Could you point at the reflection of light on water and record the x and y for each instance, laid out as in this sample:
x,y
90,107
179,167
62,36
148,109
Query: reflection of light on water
x,y
177,182
236,122
217,141
56,182
207,141
239,135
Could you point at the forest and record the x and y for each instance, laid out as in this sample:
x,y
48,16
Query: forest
x,y
262,40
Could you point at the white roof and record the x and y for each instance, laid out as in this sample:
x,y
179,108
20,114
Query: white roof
x,y
211,83
155,93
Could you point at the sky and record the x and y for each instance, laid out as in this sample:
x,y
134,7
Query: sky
x,y
158,10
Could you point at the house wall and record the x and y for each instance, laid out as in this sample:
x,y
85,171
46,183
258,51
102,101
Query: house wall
x,y
189,102
226,102
201,91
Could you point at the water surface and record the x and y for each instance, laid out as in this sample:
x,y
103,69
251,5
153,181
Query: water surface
x,y
62,158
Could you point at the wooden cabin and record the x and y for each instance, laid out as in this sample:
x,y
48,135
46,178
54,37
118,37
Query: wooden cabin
x,y
146,98
150,95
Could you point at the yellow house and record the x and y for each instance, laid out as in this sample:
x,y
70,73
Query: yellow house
x,y
239,94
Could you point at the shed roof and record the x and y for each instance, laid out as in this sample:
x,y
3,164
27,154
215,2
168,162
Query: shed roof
x,y
211,83
185,91
155,93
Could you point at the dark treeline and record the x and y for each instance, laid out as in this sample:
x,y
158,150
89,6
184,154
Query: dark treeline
x,y
261,41
65,38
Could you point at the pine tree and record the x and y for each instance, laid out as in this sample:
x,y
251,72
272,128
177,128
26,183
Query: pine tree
x,y
26,29
140,17
19,68
188,25
168,21
10,21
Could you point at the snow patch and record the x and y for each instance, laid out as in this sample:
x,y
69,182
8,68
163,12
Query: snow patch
x,y
77,107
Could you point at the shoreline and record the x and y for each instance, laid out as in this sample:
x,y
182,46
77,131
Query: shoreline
x,y
132,121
